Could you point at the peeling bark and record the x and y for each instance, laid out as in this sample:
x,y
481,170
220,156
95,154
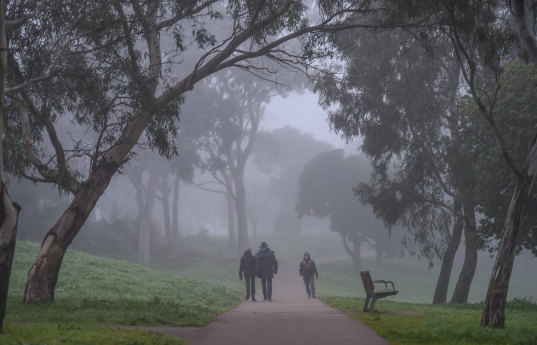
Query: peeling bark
x,y
43,274
494,311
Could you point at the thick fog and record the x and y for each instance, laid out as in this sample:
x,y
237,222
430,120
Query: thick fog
x,y
376,167
292,132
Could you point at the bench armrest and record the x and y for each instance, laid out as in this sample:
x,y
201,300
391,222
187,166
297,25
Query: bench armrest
x,y
385,282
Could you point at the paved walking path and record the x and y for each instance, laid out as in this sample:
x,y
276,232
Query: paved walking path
x,y
291,319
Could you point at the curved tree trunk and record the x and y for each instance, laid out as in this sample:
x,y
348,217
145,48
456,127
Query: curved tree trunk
x,y
9,211
43,274
462,289
440,293
9,216
494,311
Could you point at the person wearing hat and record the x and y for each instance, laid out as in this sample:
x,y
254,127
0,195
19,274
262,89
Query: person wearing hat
x,y
265,267
247,266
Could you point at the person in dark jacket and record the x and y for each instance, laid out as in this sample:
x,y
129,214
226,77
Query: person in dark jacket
x,y
307,269
265,268
247,267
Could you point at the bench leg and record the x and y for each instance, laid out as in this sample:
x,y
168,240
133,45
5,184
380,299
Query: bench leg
x,y
372,307
366,303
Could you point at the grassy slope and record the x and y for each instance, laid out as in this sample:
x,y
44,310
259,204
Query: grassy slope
x,y
97,291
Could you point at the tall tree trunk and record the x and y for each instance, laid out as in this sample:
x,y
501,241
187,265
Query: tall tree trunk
x,y
168,232
462,289
240,206
354,253
175,208
9,211
230,204
440,293
494,311
9,216
144,221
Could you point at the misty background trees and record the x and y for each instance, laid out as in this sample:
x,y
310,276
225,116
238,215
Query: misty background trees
x,y
144,120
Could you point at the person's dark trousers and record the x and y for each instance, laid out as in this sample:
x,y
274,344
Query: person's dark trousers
x,y
266,285
250,286
310,285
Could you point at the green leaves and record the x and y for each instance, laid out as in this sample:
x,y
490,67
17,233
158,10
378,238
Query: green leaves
x,y
515,116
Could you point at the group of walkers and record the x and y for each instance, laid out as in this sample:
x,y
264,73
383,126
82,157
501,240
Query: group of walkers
x,y
264,265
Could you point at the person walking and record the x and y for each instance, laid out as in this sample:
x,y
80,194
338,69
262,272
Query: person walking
x,y
265,268
307,269
247,266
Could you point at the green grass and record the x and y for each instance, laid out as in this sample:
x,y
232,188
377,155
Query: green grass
x,y
413,280
82,335
202,282
442,324
96,291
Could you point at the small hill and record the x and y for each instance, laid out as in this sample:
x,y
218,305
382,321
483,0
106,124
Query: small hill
x,y
96,290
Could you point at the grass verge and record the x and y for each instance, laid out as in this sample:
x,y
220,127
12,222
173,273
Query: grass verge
x,y
442,324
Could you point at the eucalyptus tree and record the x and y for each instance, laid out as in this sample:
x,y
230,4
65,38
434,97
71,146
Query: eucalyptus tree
x,y
326,190
483,47
239,101
402,100
483,34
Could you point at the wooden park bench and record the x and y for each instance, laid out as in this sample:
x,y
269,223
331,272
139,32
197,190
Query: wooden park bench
x,y
375,294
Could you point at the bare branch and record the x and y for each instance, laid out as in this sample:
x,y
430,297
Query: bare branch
x,y
21,20
169,22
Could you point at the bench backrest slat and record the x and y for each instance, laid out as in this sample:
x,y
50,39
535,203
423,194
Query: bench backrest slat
x,y
368,282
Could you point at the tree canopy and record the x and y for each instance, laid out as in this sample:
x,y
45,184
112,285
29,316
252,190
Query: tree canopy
x,y
326,190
